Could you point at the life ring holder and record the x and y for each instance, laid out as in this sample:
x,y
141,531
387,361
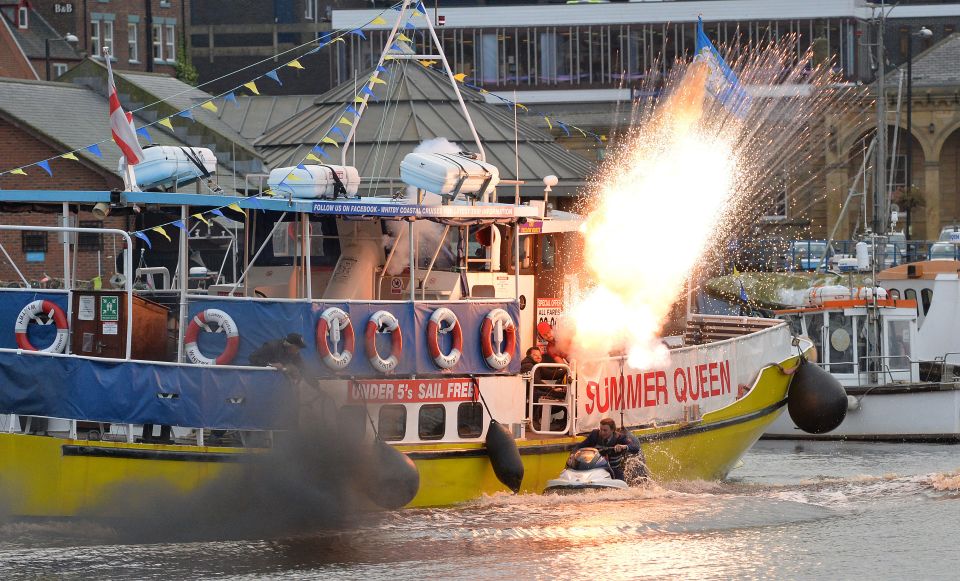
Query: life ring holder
x,y
225,324
54,314
384,321
334,321
498,360
440,317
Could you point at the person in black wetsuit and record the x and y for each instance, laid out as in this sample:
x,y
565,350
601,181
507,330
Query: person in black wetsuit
x,y
284,354
619,444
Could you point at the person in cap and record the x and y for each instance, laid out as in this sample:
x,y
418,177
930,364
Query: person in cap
x,y
283,354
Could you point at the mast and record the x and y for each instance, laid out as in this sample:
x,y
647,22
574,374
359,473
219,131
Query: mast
x,y
881,202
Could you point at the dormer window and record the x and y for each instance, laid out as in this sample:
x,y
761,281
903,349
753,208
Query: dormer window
x,y
22,17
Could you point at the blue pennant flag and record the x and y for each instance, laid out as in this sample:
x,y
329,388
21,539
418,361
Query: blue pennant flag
x,y
46,167
359,33
564,127
146,135
320,150
409,25
352,109
743,293
339,132
382,69
398,7
368,91
179,224
273,75
143,237
95,150
722,82
255,202
396,47
217,212
421,9
232,98
301,166
186,114
313,50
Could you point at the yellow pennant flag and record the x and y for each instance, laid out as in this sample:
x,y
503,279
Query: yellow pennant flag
x,y
69,156
735,271
295,64
253,87
268,192
201,218
582,132
236,207
346,121
311,157
18,172
403,37
359,99
166,123
547,119
378,20
162,232
520,106
459,77
330,140
293,178
209,106
338,39
377,81
428,63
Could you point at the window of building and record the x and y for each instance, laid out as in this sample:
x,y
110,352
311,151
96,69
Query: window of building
x,y
33,241
90,240
470,420
158,42
777,206
392,422
433,418
58,69
22,17
107,30
95,45
133,54
170,38
310,10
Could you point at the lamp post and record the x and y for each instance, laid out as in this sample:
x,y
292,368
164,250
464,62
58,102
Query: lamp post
x,y
70,38
924,32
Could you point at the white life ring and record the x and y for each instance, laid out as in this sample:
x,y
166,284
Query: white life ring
x,y
498,319
332,323
444,316
54,315
384,321
225,324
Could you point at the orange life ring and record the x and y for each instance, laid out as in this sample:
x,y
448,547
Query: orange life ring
x,y
225,324
440,317
494,358
332,323
386,322
54,314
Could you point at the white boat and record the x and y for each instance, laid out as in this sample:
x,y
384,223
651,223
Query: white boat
x,y
897,356
168,166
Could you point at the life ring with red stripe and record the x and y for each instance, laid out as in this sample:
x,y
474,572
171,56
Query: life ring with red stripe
x,y
334,325
224,324
443,320
384,322
500,322
54,314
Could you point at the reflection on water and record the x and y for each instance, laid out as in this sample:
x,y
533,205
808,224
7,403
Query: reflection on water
x,y
808,510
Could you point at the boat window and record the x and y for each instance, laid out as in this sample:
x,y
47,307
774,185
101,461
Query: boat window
x,y
470,420
433,418
352,421
894,294
840,341
548,251
910,294
526,245
926,297
392,423
898,344
864,331
815,330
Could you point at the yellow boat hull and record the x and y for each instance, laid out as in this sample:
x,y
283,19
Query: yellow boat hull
x,y
53,477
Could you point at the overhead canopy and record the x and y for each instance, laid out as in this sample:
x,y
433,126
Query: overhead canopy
x,y
417,104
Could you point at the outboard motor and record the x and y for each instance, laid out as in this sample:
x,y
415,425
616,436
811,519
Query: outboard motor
x,y
504,456
392,479
817,402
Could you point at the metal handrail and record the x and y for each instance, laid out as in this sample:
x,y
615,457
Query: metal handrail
x,y
565,403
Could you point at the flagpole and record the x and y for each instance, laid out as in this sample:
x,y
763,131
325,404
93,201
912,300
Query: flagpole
x,y
129,177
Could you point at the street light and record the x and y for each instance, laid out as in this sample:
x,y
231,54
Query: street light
x,y
924,33
70,39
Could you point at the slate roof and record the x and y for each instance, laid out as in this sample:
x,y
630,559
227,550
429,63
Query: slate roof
x,y
72,117
253,116
936,66
32,39
418,104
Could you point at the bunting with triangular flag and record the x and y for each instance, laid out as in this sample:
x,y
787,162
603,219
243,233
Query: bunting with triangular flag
x,y
459,77
179,224
378,20
230,97
235,207
359,33
166,123
209,106
142,131
253,87
162,232
70,155
143,237
186,114
200,217
273,75
345,121
330,140
377,81
295,64
45,165
217,212
94,149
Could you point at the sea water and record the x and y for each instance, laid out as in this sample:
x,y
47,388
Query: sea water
x,y
791,511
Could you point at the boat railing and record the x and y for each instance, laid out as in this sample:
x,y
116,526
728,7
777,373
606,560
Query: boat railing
x,y
879,364
547,405
943,364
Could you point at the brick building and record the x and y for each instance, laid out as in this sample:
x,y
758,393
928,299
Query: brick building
x,y
27,40
142,35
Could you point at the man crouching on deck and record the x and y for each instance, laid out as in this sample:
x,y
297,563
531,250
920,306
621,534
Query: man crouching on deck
x,y
618,445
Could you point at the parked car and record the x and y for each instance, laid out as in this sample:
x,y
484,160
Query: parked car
x,y
944,251
805,255
950,234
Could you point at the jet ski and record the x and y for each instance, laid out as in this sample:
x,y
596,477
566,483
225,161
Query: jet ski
x,y
586,469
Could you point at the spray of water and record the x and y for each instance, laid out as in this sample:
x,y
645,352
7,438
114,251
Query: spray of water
x,y
688,175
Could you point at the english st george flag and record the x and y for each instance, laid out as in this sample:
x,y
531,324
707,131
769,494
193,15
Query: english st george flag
x,y
121,123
